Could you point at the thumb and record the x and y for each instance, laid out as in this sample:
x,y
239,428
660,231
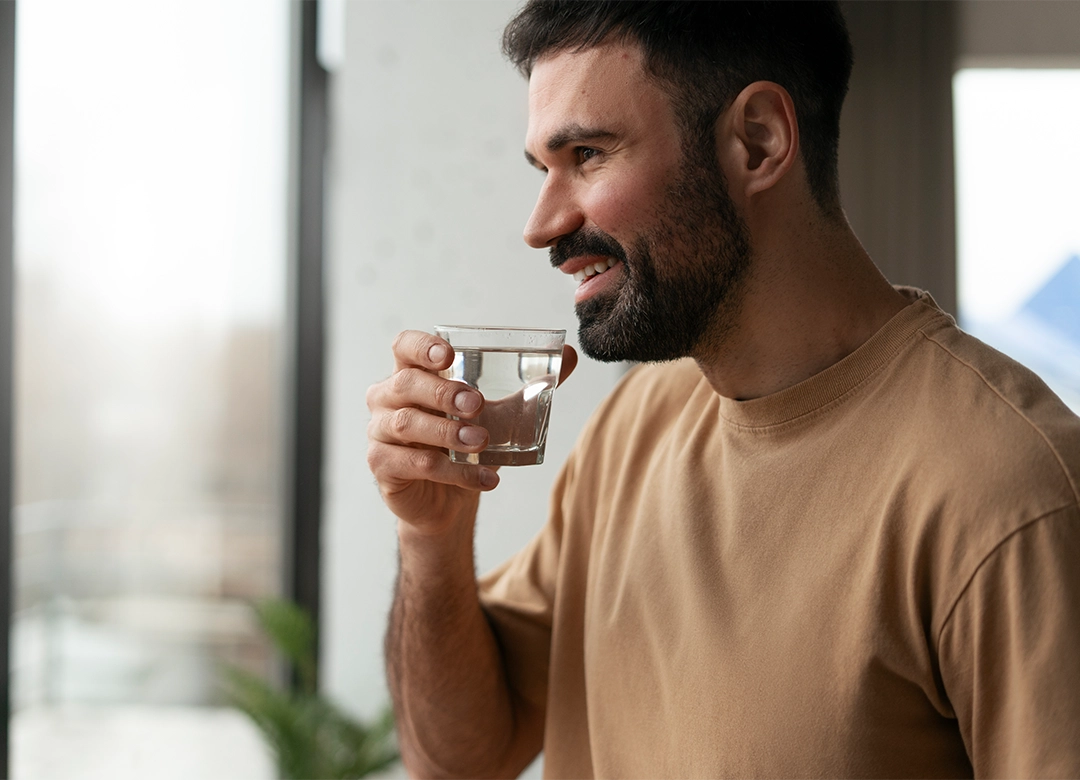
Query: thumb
x,y
569,363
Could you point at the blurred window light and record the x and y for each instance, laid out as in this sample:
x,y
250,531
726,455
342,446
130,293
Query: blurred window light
x,y
1018,216
151,175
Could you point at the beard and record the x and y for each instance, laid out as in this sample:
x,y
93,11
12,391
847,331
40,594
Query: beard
x,y
681,278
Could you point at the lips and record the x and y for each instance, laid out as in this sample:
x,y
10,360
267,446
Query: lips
x,y
593,269
592,281
588,255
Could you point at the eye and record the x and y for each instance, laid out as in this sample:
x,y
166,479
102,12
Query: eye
x,y
586,153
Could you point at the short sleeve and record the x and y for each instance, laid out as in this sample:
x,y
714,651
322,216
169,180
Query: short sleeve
x,y
518,598
1010,654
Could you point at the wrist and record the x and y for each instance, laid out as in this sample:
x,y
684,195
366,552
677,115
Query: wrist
x,y
441,544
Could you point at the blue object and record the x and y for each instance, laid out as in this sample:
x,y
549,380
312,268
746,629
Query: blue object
x,y
1057,303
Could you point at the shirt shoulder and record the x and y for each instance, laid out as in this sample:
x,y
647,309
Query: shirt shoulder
x,y
998,407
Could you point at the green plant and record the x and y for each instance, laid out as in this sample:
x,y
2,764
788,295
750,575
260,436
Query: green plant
x,y
311,738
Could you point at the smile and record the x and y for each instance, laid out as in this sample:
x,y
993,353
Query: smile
x,y
594,269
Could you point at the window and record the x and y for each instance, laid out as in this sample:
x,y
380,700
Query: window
x,y
151,174
1018,217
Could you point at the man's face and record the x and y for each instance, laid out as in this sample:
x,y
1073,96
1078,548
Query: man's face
x,y
624,193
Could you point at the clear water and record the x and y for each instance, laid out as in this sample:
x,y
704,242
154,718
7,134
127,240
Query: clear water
x,y
517,389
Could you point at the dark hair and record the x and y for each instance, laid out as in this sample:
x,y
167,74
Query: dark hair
x,y
706,52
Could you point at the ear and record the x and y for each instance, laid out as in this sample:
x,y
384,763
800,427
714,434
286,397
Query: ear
x,y
762,138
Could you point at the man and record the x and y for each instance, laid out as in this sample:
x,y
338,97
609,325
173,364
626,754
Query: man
x,y
835,537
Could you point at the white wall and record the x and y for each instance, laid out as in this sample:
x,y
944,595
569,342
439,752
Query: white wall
x,y
428,194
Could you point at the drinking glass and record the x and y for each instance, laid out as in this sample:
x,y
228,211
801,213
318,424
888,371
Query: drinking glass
x,y
516,370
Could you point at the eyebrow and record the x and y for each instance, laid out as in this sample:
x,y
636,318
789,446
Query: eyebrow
x,y
568,134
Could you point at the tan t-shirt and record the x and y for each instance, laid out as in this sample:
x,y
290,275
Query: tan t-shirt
x,y
874,573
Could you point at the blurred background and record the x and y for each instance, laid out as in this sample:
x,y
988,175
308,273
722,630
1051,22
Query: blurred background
x,y
216,214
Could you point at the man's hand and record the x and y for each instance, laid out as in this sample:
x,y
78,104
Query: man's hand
x,y
455,714
410,435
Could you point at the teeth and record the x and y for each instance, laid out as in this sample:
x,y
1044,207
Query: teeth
x,y
595,268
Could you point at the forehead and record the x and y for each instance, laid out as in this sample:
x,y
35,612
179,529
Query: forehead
x,y
605,86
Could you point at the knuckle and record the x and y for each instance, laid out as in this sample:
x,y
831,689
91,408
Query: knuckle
x,y
410,343
399,422
424,462
445,432
444,394
372,396
373,457
400,341
377,459
449,430
402,381
469,477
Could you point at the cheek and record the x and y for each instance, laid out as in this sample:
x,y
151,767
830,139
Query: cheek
x,y
624,207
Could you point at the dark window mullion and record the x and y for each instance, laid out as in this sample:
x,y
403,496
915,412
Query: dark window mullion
x,y
306,325
7,295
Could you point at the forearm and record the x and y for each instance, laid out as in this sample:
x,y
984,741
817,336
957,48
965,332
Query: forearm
x,y
455,713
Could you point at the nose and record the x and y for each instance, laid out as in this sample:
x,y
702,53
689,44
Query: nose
x,y
556,214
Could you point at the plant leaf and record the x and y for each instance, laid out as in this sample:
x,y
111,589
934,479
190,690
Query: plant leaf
x,y
309,735
292,630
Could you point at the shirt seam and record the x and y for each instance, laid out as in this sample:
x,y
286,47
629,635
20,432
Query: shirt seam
x,y
982,563
1019,413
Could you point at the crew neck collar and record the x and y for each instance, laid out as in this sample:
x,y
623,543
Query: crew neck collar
x,y
840,378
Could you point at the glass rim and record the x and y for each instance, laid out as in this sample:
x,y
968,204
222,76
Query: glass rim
x,y
486,337
499,328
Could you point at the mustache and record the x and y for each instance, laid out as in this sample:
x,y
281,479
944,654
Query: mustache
x,y
585,242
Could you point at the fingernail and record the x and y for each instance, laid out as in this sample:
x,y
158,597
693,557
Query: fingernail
x,y
466,401
472,437
437,353
488,478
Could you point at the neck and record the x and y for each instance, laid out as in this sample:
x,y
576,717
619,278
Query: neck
x,y
811,298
